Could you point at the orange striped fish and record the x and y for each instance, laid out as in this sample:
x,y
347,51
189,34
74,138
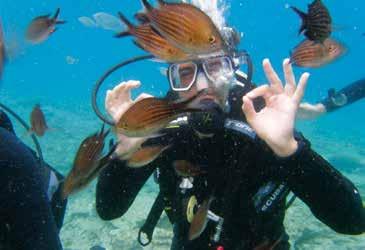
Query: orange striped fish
x,y
149,40
87,163
185,26
151,114
313,55
145,155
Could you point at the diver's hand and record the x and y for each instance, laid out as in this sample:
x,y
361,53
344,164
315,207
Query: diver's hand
x,y
117,101
309,111
275,123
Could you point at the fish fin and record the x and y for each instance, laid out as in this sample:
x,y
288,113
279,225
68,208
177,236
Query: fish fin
x,y
129,25
122,34
147,5
125,20
138,45
55,16
142,17
303,16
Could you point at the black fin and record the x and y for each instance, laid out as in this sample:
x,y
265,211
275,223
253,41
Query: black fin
x,y
126,22
303,16
122,34
141,17
56,14
139,45
147,5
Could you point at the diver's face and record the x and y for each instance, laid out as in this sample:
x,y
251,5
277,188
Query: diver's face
x,y
213,75
214,92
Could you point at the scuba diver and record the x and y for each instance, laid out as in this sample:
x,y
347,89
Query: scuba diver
x,y
334,101
32,210
226,171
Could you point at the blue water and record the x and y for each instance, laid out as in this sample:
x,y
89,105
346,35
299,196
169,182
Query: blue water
x,y
41,74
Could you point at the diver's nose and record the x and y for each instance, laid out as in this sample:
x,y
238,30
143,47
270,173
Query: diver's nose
x,y
202,81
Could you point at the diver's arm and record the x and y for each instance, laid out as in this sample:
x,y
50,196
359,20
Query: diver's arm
x,y
117,187
24,209
351,93
332,197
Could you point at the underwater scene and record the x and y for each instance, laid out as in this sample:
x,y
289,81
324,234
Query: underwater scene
x,y
58,61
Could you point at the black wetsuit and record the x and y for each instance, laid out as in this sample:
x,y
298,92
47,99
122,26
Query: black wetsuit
x,y
240,168
31,213
349,94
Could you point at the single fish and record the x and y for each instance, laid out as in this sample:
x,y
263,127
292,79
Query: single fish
x,y
200,220
185,26
149,40
186,169
151,114
2,50
87,21
38,121
313,55
41,27
107,21
87,163
145,155
317,23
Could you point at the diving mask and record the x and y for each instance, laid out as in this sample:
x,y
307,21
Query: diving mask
x,y
217,69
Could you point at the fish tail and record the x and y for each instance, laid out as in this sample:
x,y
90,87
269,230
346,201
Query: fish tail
x,y
142,17
56,14
303,16
126,22
147,5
